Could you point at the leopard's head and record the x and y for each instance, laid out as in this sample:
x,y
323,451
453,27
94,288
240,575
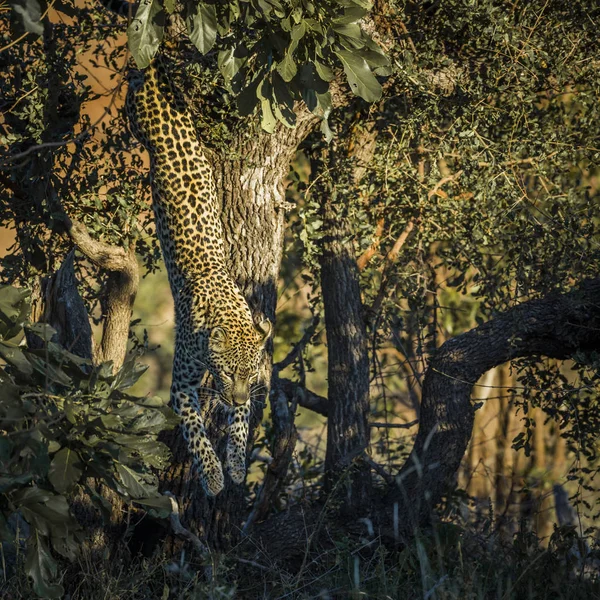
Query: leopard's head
x,y
234,357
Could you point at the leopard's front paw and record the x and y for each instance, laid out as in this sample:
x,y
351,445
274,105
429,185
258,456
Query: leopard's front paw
x,y
211,477
236,466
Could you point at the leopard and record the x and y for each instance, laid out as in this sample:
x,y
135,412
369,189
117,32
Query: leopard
x,y
215,333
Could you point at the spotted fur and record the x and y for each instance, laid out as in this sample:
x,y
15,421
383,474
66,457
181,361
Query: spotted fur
x,y
215,331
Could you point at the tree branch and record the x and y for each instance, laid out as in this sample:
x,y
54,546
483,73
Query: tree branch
x,y
306,398
556,326
121,289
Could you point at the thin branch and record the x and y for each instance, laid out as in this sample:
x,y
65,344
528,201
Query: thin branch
x,y
306,398
298,347
364,259
395,425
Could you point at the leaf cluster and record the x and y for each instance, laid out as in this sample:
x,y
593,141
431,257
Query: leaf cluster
x,y
62,422
273,53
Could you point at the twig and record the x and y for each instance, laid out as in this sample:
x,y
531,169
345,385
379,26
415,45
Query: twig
x,y
364,259
298,347
395,425
389,479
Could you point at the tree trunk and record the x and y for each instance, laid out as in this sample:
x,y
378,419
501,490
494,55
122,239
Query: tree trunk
x,y
347,351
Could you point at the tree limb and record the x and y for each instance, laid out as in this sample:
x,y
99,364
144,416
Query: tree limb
x,y
556,326
306,398
121,289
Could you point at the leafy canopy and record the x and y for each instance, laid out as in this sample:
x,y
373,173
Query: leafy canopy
x,y
273,52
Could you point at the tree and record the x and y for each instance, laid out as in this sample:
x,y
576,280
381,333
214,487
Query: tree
x,y
470,176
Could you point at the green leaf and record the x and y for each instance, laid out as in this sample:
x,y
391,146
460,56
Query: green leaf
x,y
159,506
268,120
352,14
287,67
42,330
14,310
324,72
201,23
351,30
248,99
297,33
42,568
65,470
15,356
52,373
145,33
128,375
229,64
362,81
131,482
284,107
10,483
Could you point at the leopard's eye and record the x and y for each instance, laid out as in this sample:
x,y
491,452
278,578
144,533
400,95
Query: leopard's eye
x,y
226,376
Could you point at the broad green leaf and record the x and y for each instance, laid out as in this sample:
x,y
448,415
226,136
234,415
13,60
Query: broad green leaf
x,y
128,374
159,506
324,72
14,310
30,495
284,105
228,64
351,30
42,330
15,356
268,120
49,371
18,481
297,34
326,130
309,79
146,32
65,470
362,81
287,67
42,568
201,23
248,99
352,14
153,402
148,421
131,482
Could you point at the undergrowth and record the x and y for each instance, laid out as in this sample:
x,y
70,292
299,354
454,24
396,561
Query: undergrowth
x,y
447,562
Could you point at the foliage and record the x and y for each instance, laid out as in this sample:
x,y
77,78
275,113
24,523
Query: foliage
x,y
64,422
53,154
274,52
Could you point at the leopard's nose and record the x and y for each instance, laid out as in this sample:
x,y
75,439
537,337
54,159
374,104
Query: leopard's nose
x,y
240,392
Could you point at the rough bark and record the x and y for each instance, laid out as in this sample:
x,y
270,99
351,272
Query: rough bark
x,y
65,311
556,326
120,293
347,349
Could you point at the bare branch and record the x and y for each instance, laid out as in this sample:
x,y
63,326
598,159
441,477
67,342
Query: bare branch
x,y
306,398
298,347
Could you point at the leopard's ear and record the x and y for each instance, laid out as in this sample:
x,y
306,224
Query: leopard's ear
x,y
264,329
218,338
